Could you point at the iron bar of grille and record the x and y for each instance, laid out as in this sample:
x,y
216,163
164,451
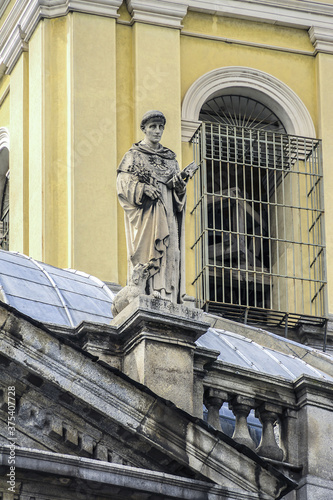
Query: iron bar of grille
x,y
259,239
4,231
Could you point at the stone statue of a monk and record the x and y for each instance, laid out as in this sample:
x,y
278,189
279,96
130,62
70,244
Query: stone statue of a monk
x,y
152,192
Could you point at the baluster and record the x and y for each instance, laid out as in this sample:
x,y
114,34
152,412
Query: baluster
x,y
241,407
268,447
213,400
289,435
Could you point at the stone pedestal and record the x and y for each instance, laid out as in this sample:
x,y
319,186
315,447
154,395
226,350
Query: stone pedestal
x,y
158,345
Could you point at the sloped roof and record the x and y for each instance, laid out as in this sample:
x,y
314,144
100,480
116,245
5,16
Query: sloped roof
x,y
52,295
241,351
65,297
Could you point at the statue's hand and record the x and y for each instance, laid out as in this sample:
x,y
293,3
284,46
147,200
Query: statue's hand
x,y
151,191
179,184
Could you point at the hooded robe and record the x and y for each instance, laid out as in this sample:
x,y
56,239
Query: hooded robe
x,y
154,228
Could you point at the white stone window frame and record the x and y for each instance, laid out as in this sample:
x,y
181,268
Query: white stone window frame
x,y
252,83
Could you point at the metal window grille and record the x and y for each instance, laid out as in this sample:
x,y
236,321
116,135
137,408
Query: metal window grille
x,y
259,225
4,216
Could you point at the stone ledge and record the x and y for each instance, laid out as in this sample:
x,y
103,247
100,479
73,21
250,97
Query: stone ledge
x,y
158,315
109,475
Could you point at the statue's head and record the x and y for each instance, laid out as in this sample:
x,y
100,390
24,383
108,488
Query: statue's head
x,y
152,124
152,115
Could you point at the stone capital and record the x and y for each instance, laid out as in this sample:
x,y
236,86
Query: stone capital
x,y
189,128
321,39
163,13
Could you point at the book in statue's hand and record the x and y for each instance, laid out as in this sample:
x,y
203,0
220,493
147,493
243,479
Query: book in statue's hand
x,y
186,174
189,171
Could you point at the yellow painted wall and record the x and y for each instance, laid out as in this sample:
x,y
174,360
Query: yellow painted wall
x,y
247,31
283,65
157,79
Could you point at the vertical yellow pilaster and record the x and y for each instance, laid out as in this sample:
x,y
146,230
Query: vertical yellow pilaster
x,y
92,146
125,127
55,139
36,143
48,142
19,156
324,82
157,79
157,85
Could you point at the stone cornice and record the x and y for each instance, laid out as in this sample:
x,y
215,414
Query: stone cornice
x,y
296,13
26,14
161,12
4,7
245,382
110,475
322,39
313,392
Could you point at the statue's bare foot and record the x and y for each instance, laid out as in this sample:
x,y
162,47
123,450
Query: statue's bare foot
x,y
156,294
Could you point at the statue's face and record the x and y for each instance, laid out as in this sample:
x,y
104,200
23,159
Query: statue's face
x,y
153,131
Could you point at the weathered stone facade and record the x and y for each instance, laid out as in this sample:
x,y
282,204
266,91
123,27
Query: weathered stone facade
x,y
127,423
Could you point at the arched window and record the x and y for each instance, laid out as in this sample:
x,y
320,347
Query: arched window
x,y
259,211
4,189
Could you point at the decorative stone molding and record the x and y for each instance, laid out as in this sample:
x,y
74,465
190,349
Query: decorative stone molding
x,y
4,138
322,39
136,482
189,128
12,49
4,7
255,84
163,13
26,14
295,13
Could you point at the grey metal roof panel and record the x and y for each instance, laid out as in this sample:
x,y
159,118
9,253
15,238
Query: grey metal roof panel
x,y
40,311
23,288
240,351
84,303
214,340
60,296
300,366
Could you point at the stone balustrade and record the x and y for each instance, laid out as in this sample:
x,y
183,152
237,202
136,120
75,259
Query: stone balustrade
x,y
269,415
272,399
